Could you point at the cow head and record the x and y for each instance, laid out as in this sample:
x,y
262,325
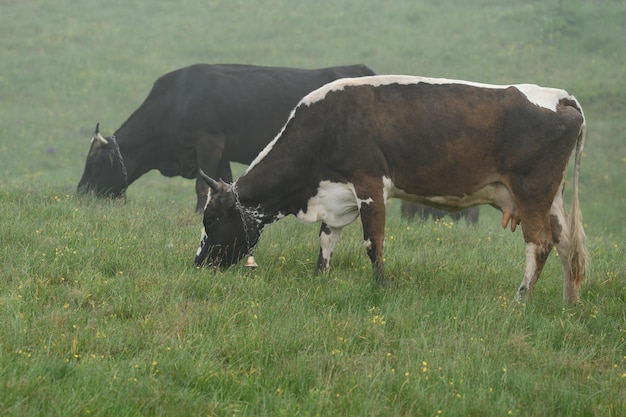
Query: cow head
x,y
228,233
105,173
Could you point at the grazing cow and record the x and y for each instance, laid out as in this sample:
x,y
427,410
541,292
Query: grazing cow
x,y
410,210
202,116
352,144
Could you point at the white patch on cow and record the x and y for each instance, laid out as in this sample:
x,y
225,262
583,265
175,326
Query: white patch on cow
x,y
335,203
541,96
375,81
328,241
368,244
388,188
360,202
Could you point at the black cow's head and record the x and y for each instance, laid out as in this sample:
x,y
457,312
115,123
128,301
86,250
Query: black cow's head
x,y
105,172
225,237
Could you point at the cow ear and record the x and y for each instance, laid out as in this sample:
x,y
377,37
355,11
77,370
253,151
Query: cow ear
x,y
214,185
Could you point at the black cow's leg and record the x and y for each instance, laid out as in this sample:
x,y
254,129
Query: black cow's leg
x,y
202,191
471,214
329,236
408,210
224,172
209,149
437,214
372,212
421,212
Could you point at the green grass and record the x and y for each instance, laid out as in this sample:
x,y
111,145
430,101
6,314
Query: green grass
x,y
103,312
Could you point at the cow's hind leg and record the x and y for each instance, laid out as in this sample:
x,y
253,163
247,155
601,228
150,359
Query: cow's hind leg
x,y
561,233
536,256
329,236
539,242
209,151
373,219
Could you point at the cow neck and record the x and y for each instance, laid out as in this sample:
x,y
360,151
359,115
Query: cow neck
x,y
253,219
133,142
118,156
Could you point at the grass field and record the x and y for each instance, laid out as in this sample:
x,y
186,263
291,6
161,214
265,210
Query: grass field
x,y
102,312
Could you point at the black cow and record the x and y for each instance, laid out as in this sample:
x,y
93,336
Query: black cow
x,y
202,116
352,144
410,210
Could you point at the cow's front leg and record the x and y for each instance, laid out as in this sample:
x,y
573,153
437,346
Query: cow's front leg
x,y
373,219
209,150
329,236
222,172
202,192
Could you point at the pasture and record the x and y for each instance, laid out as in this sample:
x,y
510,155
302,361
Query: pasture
x,y
103,313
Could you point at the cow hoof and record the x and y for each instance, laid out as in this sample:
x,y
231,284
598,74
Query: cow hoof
x,y
521,295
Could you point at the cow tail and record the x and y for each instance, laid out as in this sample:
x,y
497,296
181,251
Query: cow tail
x,y
578,256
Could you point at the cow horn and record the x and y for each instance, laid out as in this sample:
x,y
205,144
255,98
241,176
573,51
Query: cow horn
x,y
215,186
101,139
98,136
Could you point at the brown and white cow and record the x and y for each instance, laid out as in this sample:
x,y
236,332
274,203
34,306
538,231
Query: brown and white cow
x,y
354,143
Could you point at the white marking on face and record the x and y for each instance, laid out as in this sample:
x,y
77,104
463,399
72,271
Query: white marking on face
x,y
203,239
208,198
335,203
542,96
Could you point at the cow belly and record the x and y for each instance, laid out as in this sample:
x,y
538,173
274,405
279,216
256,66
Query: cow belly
x,y
336,204
496,194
